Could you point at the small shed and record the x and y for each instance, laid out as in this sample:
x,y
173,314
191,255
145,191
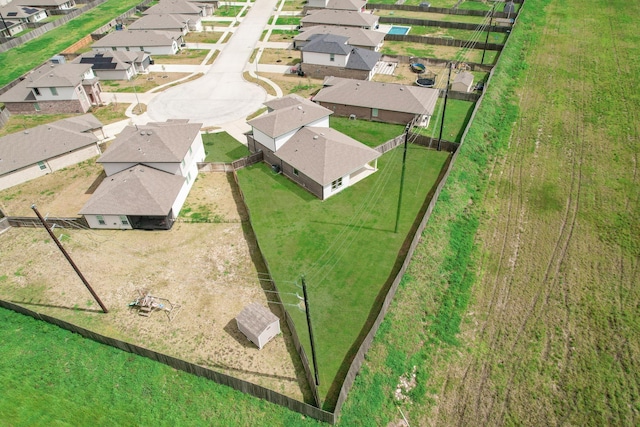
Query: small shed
x,y
258,324
462,82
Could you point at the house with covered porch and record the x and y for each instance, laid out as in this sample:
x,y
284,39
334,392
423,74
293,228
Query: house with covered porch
x,y
295,139
149,172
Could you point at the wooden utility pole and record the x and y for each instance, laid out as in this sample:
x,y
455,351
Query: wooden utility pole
x,y
486,40
66,255
313,346
404,165
444,107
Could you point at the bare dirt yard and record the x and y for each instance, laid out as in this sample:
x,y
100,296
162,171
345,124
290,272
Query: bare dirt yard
x,y
210,270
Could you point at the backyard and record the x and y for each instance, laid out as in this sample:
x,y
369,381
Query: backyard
x,y
324,240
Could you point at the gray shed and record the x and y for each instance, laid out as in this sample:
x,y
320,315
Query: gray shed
x,y
258,324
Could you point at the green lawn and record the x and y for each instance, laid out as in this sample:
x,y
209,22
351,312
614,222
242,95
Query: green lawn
x,y
228,11
222,147
288,20
21,59
456,118
54,377
345,245
369,133
418,30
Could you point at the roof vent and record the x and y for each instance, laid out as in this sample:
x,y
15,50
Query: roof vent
x,y
142,133
401,88
299,107
315,136
26,132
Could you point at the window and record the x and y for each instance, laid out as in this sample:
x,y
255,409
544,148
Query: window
x,y
332,57
37,91
141,49
374,112
124,220
296,172
336,184
114,48
100,219
54,91
182,163
188,177
42,166
127,48
190,150
36,106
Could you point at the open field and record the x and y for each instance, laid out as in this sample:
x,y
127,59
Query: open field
x,y
21,59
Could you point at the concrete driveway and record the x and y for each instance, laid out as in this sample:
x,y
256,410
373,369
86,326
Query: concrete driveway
x,y
221,95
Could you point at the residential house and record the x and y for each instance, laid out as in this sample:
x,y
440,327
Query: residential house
x,y
35,152
296,139
55,88
149,172
22,13
353,5
173,23
331,55
258,324
149,41
180,7
118,65
356,37
462,82
10,28
48,4
380,102
340,18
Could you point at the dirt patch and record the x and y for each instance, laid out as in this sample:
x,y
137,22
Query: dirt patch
x,y
206,268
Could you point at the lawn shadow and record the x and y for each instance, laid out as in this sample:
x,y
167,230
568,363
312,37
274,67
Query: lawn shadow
x,y
96,183
231,328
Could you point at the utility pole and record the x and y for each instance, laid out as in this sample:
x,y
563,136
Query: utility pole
x,y
313,346
444,108
66,255
404,165
5,26
486,40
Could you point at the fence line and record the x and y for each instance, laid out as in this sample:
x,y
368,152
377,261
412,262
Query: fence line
x,y
60,222
440,10
220,378
442,42
441,24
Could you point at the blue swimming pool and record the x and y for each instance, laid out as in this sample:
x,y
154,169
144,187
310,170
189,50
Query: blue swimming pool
x,y
399,30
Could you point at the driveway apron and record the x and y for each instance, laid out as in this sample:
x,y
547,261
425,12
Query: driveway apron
x,y
221,95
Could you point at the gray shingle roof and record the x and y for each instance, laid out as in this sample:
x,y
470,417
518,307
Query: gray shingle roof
x,y
464,77
362,59
139,190
137,38
21,149
384,96
152,143
160,22
108,60
355,36
346,4
340,17
42,3
324,154
49,75
255,318
286,101
287,119
173,7
327,43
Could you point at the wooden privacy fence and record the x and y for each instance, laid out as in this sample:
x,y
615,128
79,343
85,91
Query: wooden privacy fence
x,y
404,59
230,167
34,222
235,383
441,10
442,24
4,116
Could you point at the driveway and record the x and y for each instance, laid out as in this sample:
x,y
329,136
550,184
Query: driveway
x,y
221,95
